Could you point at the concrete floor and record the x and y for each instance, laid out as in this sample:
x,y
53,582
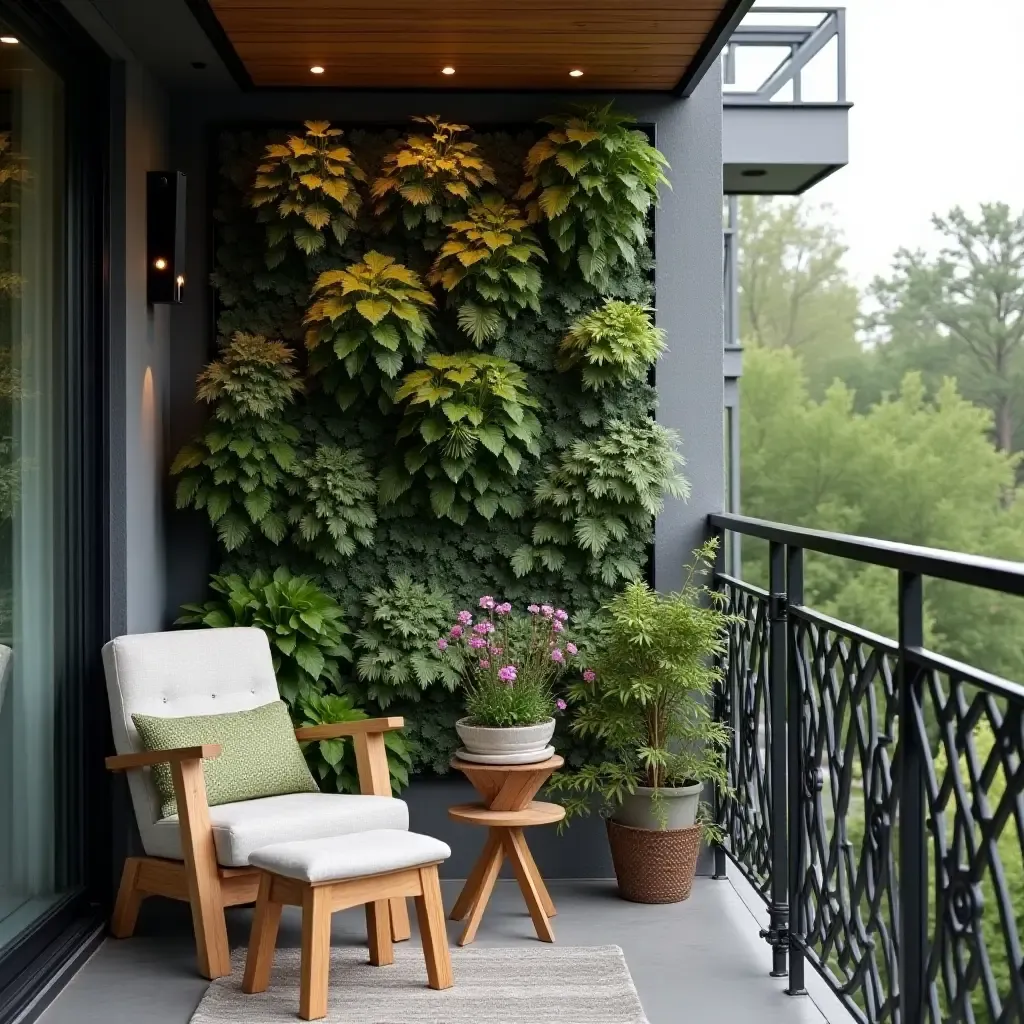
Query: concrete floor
x,y
700,960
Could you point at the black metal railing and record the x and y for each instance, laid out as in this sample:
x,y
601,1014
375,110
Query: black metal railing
x,y
877,799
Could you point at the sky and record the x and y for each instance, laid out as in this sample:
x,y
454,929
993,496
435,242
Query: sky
x,y
937,88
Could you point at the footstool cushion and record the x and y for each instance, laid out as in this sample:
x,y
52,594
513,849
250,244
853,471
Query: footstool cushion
x,y
353,856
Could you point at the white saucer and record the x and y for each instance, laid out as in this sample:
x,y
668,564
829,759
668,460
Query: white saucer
x,y
526,757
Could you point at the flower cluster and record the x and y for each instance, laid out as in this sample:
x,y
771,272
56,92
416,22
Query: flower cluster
x,y
513,661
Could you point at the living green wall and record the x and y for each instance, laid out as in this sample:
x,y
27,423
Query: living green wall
x,y
520,547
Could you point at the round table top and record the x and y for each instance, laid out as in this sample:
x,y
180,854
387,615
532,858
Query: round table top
x,y
535,813
552,764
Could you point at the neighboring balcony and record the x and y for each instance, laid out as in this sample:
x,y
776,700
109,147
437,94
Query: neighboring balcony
x,y
878,788
784,89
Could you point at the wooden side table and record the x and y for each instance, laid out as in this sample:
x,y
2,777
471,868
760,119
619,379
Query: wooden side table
x,y
508,808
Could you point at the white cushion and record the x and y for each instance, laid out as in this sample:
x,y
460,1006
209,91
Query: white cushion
x,y
240,829
354,856
187,672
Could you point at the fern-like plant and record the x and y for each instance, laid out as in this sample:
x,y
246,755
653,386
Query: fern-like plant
x,y
333,503
430,174
593,178
237,467
375,309
598,501
469,423
614,343
398,655
488,265
305,186
306,627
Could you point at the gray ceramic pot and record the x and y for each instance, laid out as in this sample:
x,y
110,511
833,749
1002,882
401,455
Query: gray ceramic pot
x,y
679,803
517,742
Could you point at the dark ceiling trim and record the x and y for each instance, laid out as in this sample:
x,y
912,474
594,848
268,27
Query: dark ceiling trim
x,y
725,24
210,24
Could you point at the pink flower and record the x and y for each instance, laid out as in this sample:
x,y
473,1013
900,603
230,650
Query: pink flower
x,y
455,632
562,615
557,655
560,704
504,608
589,675
507,674
442,644
476,641
572,649
495,650
484,663
487,601
465,617
557,626
483,628
533,609
547,611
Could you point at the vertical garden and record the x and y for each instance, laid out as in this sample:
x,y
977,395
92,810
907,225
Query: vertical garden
x,y
433,380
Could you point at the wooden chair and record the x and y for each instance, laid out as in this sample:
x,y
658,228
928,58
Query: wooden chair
x,y
201,855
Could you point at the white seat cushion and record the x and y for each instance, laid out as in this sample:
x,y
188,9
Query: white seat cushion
x,y
241,828
353,856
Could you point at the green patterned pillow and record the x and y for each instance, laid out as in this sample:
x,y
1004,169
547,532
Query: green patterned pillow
x,y
259,754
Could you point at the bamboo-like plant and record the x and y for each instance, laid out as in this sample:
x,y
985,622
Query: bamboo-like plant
x,y
237,468
303,187
487,264
430,174
377,309
614,343
594,178
469,424
648,697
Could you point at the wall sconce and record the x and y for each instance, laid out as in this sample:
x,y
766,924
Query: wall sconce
x,y
165,236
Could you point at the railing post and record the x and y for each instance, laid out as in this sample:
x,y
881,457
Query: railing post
x,y
777,933
913,857
794,705
719,570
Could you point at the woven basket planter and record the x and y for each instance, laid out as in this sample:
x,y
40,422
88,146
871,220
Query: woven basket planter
x,y
654,866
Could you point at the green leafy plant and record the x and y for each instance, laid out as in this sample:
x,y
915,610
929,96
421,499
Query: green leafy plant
x,y
615,343
600,499
487,265
333,762
238,466
470,424
304,186
306,627
398,656
377,309
647,699
430,174
593,178
333,502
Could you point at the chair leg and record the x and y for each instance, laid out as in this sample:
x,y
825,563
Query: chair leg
x,y
316,952
433,934
262,940
129,898
400,929
378,929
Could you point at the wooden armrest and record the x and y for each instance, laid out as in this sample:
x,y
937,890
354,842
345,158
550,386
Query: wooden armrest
x,y
337,729
147,758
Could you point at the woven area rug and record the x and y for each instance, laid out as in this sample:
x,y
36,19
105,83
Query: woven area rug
x,y
556,984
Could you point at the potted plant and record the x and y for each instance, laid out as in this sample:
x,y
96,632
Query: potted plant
x,y
646,699
510,664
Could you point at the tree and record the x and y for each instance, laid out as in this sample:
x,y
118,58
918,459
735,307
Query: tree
x,y
961,313
794,290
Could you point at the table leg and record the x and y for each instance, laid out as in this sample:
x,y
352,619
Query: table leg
x,y
516,849
542,890
464,904
488,876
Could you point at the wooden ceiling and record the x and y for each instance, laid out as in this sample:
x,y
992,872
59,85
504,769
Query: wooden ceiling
x,y
619,45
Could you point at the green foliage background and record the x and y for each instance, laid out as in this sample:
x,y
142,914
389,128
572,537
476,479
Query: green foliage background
x,y
410,540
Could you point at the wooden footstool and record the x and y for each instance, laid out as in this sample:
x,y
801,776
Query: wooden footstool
x,y
325,875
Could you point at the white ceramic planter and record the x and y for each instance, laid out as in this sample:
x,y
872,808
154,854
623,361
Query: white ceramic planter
x,y
520,744
679,803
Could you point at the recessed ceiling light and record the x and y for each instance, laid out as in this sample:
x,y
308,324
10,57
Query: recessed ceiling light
x,y
575,73
160,263
448,70
316,69
753,172
9,40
